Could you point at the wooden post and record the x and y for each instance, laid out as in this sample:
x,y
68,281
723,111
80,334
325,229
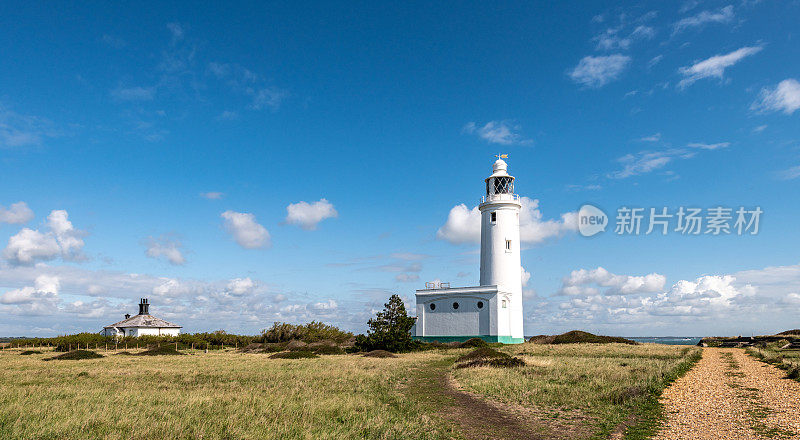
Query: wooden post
x,y
176,346
192,346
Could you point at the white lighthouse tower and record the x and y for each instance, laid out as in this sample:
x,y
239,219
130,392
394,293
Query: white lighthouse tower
x,y
493,310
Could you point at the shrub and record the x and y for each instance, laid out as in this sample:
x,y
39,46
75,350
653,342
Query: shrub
x,y
328,349
473,343
75,355
30,352
312,332
389,330
294,355
577,336
500,362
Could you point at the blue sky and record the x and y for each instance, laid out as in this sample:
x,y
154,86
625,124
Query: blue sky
x,y
250,163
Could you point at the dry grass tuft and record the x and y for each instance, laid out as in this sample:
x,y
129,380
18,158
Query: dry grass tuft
x,y
166,350
379,354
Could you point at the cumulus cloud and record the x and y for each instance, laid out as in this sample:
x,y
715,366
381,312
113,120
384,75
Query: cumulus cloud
x,y
583,282
165,247
715,66
245,230
723,15
241,286
45,288
784,97
497,132
598,71
308,215
406,277
17,213
60,240
463,225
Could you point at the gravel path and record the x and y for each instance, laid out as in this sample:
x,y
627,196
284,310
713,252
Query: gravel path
x,y
729,395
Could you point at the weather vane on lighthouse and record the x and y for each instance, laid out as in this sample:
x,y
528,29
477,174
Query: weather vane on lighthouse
x,y
501,156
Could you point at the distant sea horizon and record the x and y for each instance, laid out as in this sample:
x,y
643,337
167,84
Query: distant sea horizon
x,y
668,340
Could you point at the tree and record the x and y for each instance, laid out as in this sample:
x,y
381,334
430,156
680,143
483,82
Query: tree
x,y
389,330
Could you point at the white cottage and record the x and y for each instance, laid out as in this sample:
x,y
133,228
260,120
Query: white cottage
x,y
143,324
493,310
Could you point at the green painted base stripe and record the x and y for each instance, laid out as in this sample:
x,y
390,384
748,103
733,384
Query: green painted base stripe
x,y
487,338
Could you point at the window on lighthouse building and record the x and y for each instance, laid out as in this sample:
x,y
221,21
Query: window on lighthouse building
x,y
508,245
494,217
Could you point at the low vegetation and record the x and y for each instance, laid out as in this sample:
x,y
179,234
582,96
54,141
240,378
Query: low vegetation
x,y
308,333
488,357
298,354
214,395
389,330
75,355
774,354
579,337
602,387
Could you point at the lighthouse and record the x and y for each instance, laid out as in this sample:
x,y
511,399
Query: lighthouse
x,y
491,311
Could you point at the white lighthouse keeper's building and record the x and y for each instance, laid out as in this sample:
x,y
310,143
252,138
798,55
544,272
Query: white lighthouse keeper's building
x,y
493,310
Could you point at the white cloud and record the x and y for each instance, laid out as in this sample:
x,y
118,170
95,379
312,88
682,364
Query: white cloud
x,y
176,30
723,15
308,215
652,138
16,213
581,282
165,247
644,162
464,225
791,173
715,66
241,286
526,276
45,288
784,97
613,39
134,93
600,70
406,277
704,146
268,97
245,230
497,132
18,130
62,239
212,195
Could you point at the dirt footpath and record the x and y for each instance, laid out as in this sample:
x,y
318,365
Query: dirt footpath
x,y
729,395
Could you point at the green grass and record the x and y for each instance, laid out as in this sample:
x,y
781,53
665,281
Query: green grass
x,y
788,360
219,395
609,384
232,395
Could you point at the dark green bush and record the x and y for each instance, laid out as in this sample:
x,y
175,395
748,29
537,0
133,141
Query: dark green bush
x,y
473,343
294,355
30,352
389,330
482,353
75,355
312,332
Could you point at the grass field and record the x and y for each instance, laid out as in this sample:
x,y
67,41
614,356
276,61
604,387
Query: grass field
x,y
229,395
213,396
788,360
601,385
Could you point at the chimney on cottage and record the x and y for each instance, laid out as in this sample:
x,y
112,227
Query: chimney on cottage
x,y
127,315
144,307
